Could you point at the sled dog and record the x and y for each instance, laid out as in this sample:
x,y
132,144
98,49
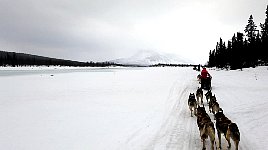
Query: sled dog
x,y
192,104
214,106
199,78
234,133
199,95
229,129
206,127
208,95
211,102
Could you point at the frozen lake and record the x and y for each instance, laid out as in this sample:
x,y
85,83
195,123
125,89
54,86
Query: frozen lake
x,y
123,108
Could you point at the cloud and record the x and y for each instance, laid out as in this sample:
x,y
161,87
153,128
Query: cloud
x,y
63,29
108,29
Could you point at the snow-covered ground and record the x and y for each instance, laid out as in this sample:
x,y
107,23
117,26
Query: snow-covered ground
x,y
123,108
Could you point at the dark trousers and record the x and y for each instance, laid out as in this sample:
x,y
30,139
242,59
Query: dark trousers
x,y
203,82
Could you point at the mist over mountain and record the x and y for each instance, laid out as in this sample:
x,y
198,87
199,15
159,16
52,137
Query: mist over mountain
x,y
146,57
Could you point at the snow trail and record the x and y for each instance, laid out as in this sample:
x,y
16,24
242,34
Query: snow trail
x,y
179,130
184,126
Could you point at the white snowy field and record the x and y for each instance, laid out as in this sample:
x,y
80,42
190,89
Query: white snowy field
x,y
123,108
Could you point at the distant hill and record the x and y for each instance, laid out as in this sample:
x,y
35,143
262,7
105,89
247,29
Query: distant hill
x,y
147,58
20,59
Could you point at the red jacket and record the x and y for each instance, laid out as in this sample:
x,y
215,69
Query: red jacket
x,y
204,74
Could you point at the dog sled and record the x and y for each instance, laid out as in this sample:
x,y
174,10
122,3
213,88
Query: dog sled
x,y
206,83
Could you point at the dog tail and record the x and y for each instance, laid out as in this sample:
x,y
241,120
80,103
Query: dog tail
x,y
211,134
208,130
203,132
235,131
211,131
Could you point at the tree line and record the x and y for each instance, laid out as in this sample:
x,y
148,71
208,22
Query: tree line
x,y
20,59
243,50
14,59
173,65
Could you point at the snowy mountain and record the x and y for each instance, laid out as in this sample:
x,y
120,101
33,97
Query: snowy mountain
x,y
151,57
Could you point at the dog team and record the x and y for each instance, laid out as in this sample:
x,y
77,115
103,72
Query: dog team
x,y
206,127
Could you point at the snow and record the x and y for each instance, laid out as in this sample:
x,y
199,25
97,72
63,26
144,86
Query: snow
x,y
123,108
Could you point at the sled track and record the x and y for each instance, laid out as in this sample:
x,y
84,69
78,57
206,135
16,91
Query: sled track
x,y
183,131
179,131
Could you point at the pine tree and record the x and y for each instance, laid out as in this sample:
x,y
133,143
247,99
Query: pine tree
x,y
259,51
211,62
250,51
217,56
220,52
264,26
210,59
234,54
228,53
264,38
250,29
236,51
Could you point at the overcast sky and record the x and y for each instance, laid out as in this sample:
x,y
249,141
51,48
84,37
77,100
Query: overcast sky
x,y
102,30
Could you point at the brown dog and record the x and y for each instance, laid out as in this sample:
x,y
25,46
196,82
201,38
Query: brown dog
x,y
234,133
206,127
213,105
192,104
199,78
199,95
213,101
229,129
208,95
